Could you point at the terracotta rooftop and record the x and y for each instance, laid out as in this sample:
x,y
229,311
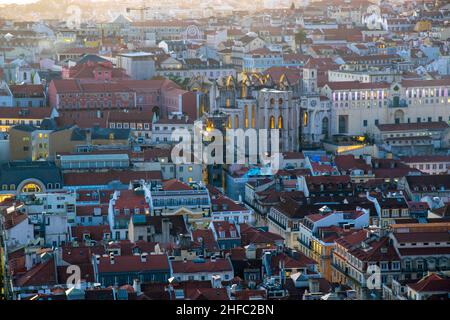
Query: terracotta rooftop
x,y
133,263
219,265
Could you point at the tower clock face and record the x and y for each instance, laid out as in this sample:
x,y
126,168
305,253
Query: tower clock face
x,y
313,103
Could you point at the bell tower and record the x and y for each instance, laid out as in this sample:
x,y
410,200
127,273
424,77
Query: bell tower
x,y
309,79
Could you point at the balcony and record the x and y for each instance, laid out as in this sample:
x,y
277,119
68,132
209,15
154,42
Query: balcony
x,y
397,103
304,244
277,223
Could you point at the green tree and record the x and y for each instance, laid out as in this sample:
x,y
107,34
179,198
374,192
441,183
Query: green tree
x,y
300,38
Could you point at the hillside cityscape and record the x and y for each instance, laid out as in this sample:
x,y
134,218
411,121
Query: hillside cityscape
x,y
225,150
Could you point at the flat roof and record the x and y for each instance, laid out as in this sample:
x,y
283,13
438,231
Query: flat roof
x,y
95,157
136,54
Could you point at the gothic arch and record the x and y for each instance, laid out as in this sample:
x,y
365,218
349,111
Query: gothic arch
x,y
272,122
253,115
280,122
246,119
325,126
399,116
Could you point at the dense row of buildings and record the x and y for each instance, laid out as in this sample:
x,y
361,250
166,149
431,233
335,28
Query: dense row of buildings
x,y
94,206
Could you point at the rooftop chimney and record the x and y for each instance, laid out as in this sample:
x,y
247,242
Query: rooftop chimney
x,y
165,230
314,285
137,286
216,281
144,257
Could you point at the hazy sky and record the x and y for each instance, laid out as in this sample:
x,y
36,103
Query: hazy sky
x,y
16,1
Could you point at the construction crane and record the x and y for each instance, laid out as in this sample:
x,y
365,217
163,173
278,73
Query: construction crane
x,y
141,10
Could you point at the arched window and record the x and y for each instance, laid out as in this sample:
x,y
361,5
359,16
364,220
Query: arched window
x,y
244,90
280,122
280,102
230,125
246,116
272,122
31,188
253,115
272,102
325,127
236,121
305,119
227,103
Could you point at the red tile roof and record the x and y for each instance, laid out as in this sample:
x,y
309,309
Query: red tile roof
x,y
247,294
88,211
408,237
13,219
427,158
28,90
24,113
225,204
205,237
158,262
206,294
327,179
128,248
299,262
95,233
353,239
175,185
349,162
431,283
220,265
81,254
39,275
293,75
130,199
425,83
424,251
356,85
226,227
439,125
293,155
252,235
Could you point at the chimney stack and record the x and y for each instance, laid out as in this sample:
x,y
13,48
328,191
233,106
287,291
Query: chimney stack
x,y
216,281
144,257
314,285
111,258
137,286
165,230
